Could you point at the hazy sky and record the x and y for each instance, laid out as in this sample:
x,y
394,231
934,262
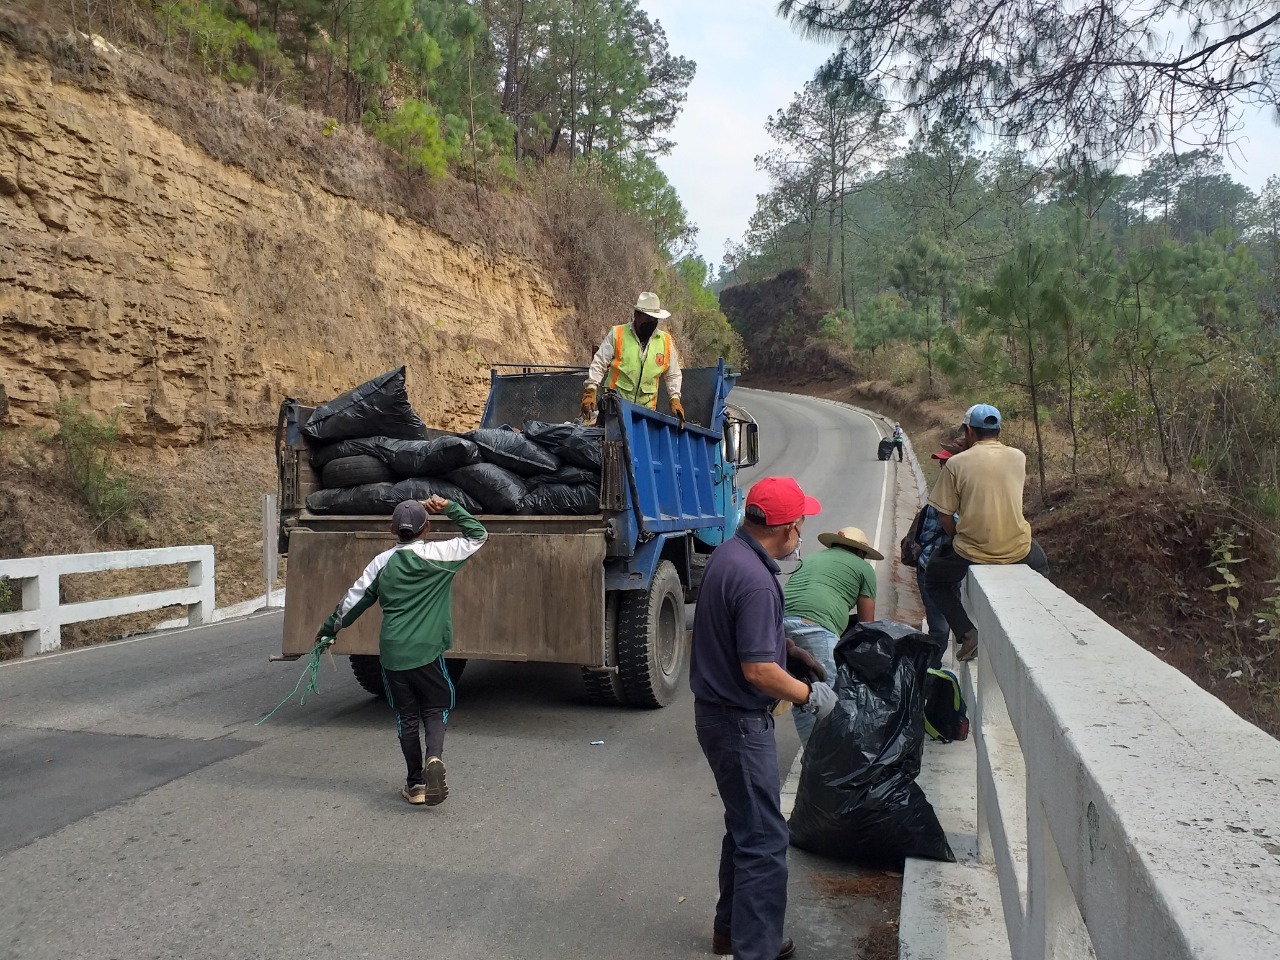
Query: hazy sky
x,y
751,63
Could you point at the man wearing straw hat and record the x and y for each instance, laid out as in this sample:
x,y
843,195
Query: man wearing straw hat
x,y
820,597
633,358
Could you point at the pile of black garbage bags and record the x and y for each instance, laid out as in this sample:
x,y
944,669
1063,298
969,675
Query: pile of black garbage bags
x,y
372,451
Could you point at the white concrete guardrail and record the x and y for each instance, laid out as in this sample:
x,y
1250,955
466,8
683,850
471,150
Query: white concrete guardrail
x,y
43,614
1129,814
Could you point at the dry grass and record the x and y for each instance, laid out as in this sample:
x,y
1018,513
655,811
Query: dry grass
x,y
882,887
880,944
208,494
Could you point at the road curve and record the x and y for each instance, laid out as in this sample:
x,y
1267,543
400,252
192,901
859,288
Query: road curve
x,y
143,814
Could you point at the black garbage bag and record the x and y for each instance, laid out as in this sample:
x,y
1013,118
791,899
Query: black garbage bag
x,y
512,450
858,797
570,474
884,450
405,458
369,498
495,489
321,457
570,500
423,488
379,408
572,443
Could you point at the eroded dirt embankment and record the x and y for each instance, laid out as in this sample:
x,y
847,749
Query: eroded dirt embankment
x,y
185,296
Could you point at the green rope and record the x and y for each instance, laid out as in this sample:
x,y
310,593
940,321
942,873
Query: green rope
x,y
310,673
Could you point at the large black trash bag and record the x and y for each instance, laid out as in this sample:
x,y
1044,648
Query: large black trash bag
x,y
379,408
858,797
572,443
513,451
405,458
569,474
423,488
497,490
562,499
370,498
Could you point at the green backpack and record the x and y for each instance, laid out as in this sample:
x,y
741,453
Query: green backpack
x,y
946,717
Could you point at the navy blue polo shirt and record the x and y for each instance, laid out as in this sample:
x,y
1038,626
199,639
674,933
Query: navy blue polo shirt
x,y
738,620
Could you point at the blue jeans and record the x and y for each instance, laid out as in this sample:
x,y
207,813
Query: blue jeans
x,y
938,628
740,748
821,642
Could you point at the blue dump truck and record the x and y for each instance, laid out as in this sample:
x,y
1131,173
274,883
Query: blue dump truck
x,y
604,592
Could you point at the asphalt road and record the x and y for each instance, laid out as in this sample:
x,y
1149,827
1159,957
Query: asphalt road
x,y
143,814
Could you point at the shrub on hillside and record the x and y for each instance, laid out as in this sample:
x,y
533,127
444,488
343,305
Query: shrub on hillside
x,y
88,448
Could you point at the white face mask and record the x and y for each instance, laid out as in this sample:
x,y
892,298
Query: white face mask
x,y
795,554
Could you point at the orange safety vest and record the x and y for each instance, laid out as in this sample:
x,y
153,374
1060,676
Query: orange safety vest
x,y
636,370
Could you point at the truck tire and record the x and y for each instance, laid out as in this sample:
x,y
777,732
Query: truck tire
x,y
368,671
605,687
651,639
354,472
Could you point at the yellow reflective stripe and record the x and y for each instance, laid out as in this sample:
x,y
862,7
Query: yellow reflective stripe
x,y
618,333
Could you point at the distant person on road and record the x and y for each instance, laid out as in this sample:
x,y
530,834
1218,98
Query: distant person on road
x,y
413,581
739,670
633,358
897,439
982,485
820,598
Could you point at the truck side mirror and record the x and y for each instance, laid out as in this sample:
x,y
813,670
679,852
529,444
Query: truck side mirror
x,y
741,442
752,453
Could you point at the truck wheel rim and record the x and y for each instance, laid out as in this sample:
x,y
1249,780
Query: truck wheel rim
x,y
668,638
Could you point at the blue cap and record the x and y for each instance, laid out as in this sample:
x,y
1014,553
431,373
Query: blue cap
x,y
982,416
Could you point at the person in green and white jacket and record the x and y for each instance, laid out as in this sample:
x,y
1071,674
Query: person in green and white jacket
x,y
413,582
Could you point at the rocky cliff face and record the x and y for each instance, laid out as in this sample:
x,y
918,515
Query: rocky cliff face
x,y
186,298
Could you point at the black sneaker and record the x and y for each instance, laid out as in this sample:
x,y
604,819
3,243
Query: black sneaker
x,y
415,793
437,788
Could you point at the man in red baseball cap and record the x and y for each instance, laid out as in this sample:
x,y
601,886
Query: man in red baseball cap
x,y
738,672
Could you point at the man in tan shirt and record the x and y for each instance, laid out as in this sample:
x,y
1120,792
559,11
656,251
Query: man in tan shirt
x,y
979,503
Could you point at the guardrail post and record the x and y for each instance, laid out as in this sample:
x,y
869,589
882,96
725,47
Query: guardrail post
x,y
200,574
270,543
40,593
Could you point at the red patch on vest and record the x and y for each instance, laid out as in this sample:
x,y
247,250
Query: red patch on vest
x,y
662,358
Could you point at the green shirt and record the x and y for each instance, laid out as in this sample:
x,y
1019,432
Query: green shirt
x,y
827,585
413,583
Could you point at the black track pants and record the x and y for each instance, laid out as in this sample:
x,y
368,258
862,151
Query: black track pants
x,y
422,698
947,570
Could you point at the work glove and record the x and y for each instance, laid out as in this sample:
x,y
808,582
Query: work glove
x,y
802,664
822,699
589,403
678,409
323,639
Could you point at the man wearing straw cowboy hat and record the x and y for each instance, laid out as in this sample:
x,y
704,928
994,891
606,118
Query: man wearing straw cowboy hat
x,y
632,359
820,597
